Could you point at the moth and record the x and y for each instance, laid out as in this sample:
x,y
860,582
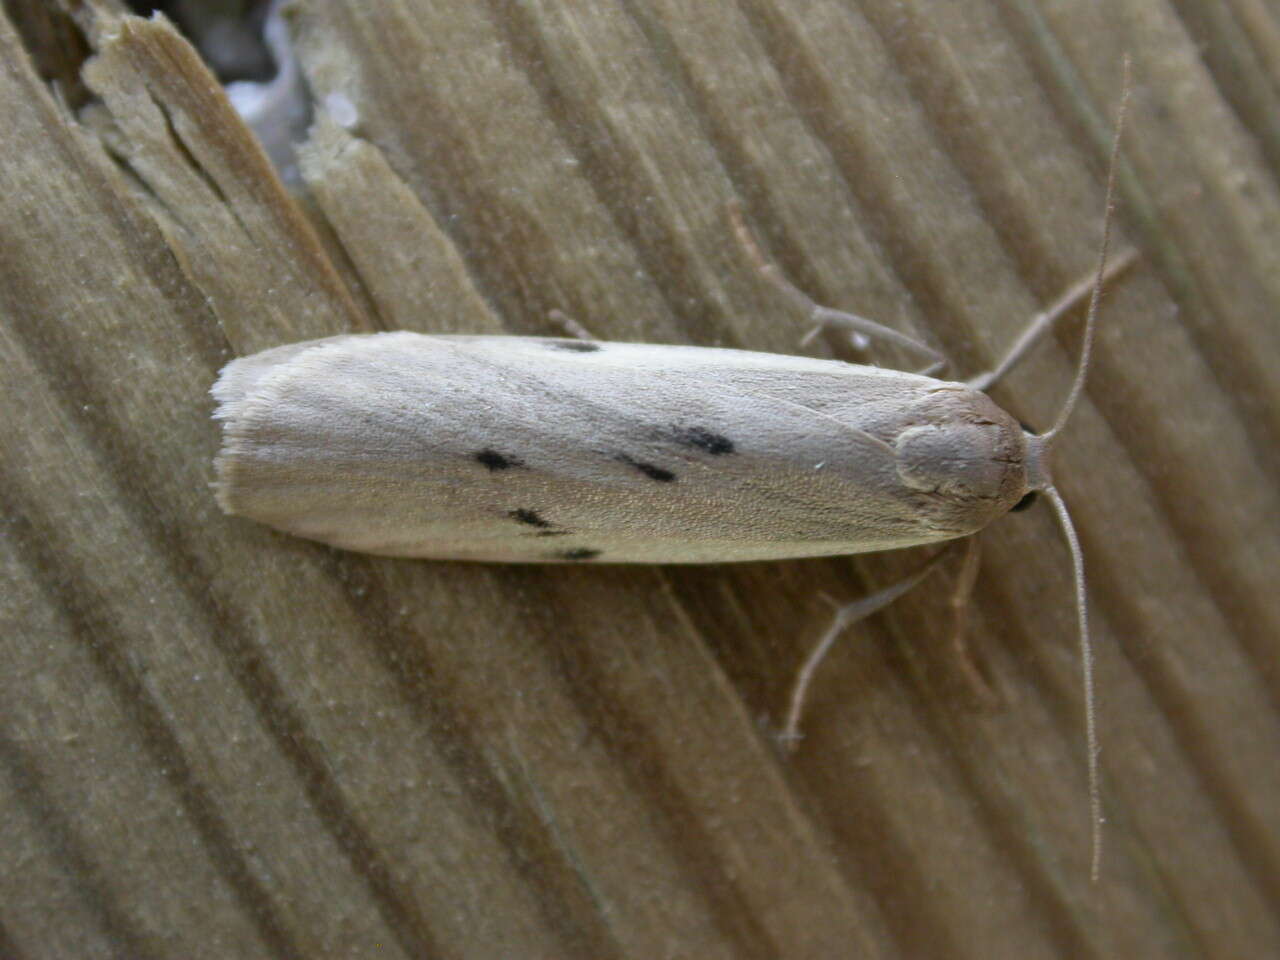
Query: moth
x,y
551,450
532,450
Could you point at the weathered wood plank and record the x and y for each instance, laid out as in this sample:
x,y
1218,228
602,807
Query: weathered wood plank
x,y
216,740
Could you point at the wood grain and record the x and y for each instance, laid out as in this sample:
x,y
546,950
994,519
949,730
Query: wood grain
x,y
220,741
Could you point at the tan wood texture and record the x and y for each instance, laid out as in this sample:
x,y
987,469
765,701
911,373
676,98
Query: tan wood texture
x,y
219,741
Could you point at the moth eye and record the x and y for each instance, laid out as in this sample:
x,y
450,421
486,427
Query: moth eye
x,y
1027,500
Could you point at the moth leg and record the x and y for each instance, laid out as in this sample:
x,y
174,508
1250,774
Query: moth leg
x,y
570,325
844,618
1043,322
860,328
961,593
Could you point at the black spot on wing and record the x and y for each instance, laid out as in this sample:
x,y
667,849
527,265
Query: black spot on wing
x,y
530,517
544,527
648,469
703,439
581,553
574,346
494,460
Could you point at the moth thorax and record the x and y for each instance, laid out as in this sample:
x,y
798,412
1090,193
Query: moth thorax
x,y
965,447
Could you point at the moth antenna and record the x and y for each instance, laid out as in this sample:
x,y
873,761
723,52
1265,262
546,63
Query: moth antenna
x,y
1086,669
1091,321
1038,449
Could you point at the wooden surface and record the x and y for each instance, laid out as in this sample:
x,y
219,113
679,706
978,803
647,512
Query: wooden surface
x,y
218,741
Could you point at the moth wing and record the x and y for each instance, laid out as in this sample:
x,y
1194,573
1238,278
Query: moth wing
x,y
527,449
